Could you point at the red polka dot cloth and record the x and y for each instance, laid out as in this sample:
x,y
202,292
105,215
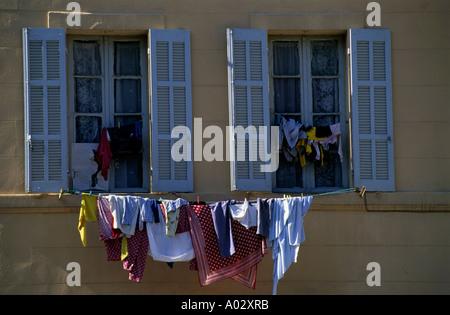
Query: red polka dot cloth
x,y
137,246
241,266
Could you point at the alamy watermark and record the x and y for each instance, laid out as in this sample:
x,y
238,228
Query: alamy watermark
x,y
247,144
74,18
374,276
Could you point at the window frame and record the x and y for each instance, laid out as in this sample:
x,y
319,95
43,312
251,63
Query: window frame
x,y
303,43
108,112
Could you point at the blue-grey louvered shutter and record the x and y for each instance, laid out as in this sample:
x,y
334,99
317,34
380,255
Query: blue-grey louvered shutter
x,y
171,103
45,110
248,99
371,105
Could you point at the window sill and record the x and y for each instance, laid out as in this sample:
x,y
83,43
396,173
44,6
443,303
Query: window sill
x,y
371,202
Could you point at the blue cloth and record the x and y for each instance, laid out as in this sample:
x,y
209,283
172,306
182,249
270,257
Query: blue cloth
x,y
222,224
264,207
130,206
173,205
286,233
149,210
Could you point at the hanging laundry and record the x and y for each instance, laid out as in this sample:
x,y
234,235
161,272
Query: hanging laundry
x,y
172,213
286,233
112,238
222,224
210,265
88,212
244,212
125,210
149,211
170,248
103,156
290,130
137,249
323,131
264,210
335,137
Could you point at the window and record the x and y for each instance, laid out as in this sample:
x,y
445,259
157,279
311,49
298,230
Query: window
x,y
104,83
306,77
108,88
307,85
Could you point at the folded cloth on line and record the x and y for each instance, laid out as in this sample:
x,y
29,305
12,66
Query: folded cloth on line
x,y
211,266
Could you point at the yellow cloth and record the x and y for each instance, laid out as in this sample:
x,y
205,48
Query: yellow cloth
x,y
124,248
303,143
88,212
311,134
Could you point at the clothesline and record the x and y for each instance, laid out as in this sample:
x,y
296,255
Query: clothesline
x,y
225,239
341,191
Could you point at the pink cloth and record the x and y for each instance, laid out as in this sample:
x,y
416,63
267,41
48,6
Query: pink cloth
x,y
241,266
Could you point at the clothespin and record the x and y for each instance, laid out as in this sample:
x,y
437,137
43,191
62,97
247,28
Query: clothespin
x,y
118,124
90,193
198,200
363,191
60,193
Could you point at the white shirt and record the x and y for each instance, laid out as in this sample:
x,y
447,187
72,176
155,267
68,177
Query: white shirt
x,y
245,213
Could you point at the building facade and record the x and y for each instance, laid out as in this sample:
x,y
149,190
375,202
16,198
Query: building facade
x,y
374,70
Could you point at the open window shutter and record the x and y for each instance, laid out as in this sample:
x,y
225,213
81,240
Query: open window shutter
x,y
45,110
371,105
248,106
171,102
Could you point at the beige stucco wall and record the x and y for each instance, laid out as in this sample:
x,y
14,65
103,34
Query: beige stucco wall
x,y
35,250
405,231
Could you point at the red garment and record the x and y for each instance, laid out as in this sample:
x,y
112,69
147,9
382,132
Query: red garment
x,y
104,154
137,246
241,266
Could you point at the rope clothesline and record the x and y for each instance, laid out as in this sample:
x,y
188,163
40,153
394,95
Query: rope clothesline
x,y
340,191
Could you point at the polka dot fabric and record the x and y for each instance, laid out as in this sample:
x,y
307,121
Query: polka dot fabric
x,y
241,266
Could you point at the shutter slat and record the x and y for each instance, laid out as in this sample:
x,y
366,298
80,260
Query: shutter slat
x,y
171,107
45,110
248,106
372,140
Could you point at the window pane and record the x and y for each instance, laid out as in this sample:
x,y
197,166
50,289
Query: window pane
x,y
325,58
127,95
126,120
330,174
88,95
325,120
88,129
287,95
289,174
126,58
325,93
128,171
286,58
86,58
